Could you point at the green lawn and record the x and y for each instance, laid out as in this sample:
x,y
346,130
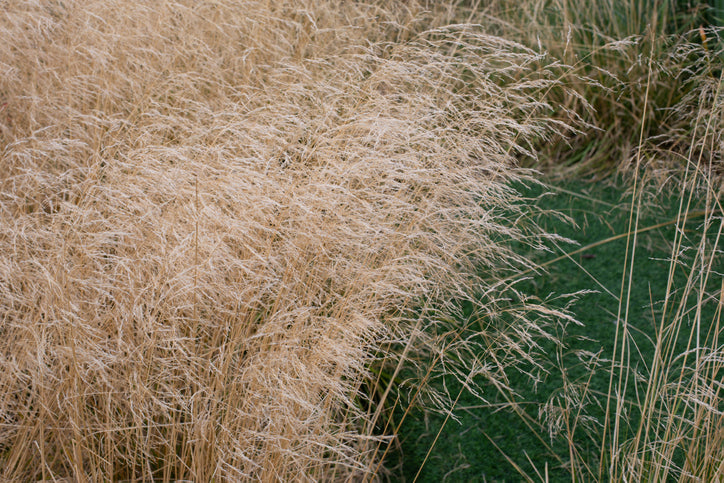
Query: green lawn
x,y
463,452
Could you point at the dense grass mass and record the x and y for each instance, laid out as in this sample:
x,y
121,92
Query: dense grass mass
x,y
215,217
235,235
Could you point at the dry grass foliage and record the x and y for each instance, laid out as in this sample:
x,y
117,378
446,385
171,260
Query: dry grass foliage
x,y
214,215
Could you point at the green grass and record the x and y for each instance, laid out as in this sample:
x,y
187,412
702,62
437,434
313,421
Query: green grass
x,y
476,447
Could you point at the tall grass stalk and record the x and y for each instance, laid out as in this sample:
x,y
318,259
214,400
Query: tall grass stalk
x,y
682,410
216,218
663,413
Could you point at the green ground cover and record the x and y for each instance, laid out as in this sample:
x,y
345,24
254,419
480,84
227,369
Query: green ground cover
x,y
477,446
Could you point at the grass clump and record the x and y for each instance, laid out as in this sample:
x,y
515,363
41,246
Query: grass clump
x,y
215,219
622,52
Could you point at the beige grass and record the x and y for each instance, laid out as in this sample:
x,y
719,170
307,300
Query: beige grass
x,y
214,216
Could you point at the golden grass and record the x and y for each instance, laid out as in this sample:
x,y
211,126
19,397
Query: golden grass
x,y
214,216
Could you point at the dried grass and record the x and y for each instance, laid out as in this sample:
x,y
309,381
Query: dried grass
x,y
214,216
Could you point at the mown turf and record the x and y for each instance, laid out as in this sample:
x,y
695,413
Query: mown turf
x,y
464,450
